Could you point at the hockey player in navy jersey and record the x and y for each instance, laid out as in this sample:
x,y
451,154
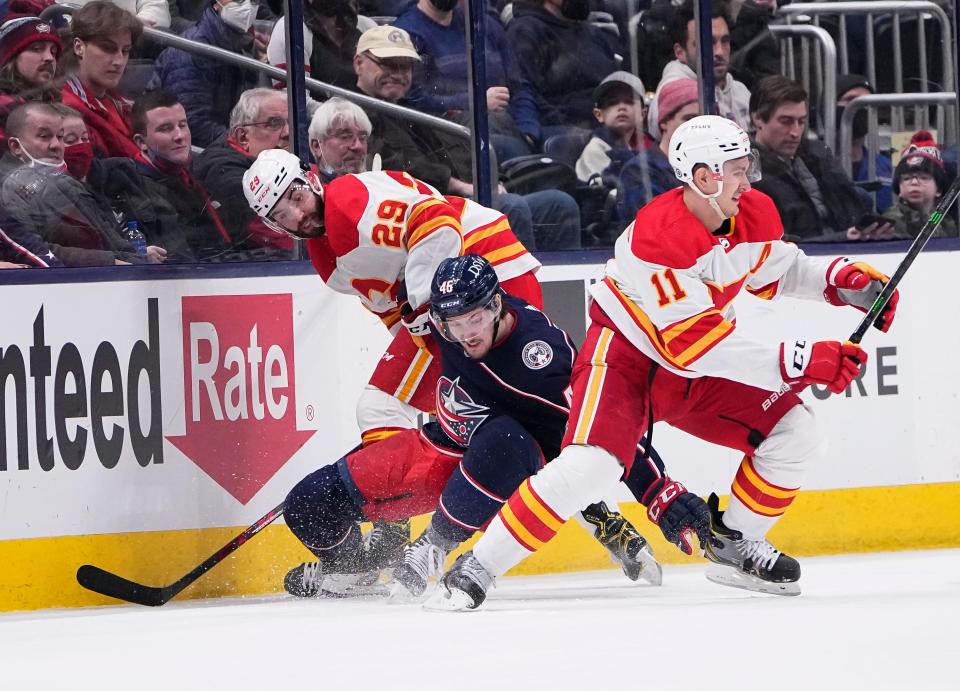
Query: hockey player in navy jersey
x,y
502,407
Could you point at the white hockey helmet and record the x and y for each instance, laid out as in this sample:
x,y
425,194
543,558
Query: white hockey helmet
x,y
268,179
710,140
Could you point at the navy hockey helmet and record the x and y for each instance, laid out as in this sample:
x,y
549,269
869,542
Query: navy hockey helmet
x,y
461,285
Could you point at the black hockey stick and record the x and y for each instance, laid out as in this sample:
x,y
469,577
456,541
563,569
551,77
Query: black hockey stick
x,y
110,584
929,228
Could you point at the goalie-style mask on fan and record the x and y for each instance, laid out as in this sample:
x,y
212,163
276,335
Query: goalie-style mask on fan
x,y
712,141
285,193
465,299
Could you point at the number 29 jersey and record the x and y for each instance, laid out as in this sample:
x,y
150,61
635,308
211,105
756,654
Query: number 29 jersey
x,y
386,232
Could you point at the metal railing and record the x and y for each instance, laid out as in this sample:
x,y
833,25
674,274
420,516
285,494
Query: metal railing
x,y
825,68
898,10
313,85
872,102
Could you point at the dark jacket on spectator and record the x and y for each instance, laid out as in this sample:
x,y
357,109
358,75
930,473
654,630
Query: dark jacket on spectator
x,y
20,245
172,209
643,177
563,61
67,215
801,221
440,79
219,169
207,88
763,57
425,153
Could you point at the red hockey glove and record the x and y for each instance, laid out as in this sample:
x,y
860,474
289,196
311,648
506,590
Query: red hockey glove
x,y
416,321
858,284
827,363
678,513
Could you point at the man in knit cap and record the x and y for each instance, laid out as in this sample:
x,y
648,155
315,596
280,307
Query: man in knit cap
x,y
29,50
919,181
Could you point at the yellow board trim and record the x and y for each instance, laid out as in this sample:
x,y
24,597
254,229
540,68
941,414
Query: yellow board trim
x,y
41,572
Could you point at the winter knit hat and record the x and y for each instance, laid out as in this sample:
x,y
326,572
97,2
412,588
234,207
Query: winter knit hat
x,y
673,96
17,34
922,155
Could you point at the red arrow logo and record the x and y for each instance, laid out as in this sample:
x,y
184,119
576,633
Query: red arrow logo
x,y
239,392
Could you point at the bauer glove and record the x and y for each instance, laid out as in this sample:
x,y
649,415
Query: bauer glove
x,y
827,363
678,513
858,284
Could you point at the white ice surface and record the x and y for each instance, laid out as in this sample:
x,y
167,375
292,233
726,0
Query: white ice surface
x,y
880,621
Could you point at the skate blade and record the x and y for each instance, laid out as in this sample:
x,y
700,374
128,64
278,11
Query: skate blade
x,y
734,578
399,595
651,570
348,586
444,600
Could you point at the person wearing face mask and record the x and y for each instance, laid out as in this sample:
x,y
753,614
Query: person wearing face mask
x,y
563,57
41,194
849,87
102,35
208,88
29,50
331,29
438,31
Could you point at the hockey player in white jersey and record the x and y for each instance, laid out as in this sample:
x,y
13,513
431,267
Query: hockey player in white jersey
x,y
663,346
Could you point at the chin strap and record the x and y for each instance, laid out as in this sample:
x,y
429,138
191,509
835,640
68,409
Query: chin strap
x,y
712,198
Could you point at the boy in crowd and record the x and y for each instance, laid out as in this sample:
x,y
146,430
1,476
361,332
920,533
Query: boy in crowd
x,y
919,181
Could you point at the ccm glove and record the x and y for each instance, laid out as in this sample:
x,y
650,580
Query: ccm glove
x,y
858,284
678,513
827,363
416,321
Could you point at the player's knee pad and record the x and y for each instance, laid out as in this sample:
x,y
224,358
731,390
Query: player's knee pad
x,y
579,476
321,513
793,445
379,414
501,455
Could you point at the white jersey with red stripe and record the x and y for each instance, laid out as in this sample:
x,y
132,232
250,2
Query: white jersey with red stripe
x,y
386,232
670,286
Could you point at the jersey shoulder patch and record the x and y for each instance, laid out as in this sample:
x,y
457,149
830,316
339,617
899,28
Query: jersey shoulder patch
x,y
537,354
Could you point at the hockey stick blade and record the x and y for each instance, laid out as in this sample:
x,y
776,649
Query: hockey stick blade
x,y
110,584
929,228
99,581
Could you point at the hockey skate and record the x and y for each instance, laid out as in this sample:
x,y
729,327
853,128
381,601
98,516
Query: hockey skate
x,y
309,580
627,547
384,545
357,576
422,560
463,588
749,564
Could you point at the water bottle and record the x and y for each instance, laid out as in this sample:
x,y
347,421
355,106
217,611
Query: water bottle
x,y
136,238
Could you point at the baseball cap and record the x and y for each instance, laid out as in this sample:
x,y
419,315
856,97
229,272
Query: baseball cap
x,y
615,83
387,42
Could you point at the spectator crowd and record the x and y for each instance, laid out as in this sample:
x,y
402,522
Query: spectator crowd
x,y
108,161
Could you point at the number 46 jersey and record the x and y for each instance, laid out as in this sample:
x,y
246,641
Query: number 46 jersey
x,y
386,232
